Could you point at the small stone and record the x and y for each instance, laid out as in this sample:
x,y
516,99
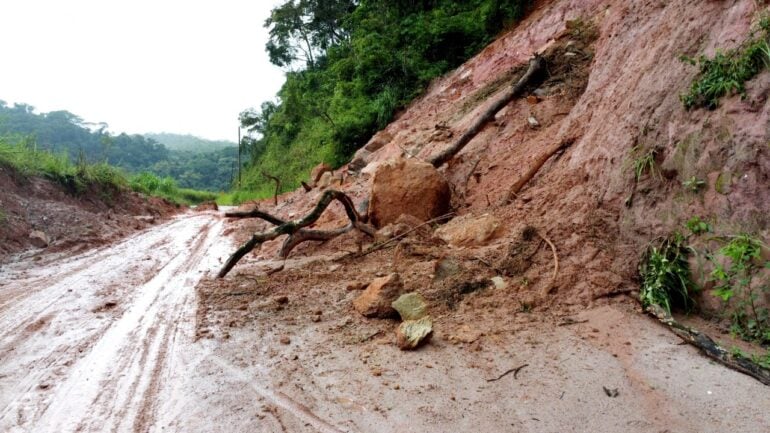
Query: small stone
x,y
376,300
411,306
39,239
469,230
285,339
446,267
533,123
499,282
377,372
412,333
281,300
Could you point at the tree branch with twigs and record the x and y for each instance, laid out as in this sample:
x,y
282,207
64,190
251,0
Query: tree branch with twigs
x,y
296,231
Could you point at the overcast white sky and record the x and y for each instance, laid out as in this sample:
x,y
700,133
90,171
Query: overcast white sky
x,y
139,65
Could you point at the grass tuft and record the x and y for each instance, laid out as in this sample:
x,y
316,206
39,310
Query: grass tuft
x,y
665,274
727,72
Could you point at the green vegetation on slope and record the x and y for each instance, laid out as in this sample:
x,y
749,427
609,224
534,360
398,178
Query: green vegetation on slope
x,y
206,165
727,72
352,65
78,178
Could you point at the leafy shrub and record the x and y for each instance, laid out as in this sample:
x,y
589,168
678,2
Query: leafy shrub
x,y
740,278
665,274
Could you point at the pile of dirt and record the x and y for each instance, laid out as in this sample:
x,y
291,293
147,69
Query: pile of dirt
x,y
612,90
38,213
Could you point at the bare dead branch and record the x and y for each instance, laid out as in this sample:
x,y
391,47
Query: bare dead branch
x,y
710,348
295,229
535,66
256,213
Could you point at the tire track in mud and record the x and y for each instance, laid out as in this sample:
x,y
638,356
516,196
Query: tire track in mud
x,y
109,375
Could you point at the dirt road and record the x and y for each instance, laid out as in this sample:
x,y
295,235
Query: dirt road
x,y
105,342
88,342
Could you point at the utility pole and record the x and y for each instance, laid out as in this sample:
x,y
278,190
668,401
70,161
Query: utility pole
x,y
239,156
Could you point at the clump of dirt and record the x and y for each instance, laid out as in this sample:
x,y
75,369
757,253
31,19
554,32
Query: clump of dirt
x,y
95,217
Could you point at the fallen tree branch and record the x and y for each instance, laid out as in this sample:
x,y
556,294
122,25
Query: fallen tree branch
x,y
256,213
516,187
295,229
555,263
710,348
277,186
536,64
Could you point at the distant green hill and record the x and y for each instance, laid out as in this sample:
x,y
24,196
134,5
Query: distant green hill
x,y
189,143
193,162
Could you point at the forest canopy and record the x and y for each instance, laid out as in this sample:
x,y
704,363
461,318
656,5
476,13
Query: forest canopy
x,y
350,65
193,162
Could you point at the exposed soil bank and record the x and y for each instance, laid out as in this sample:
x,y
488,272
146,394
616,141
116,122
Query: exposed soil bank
x,y
68,221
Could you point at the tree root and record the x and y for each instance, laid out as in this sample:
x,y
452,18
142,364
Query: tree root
x,y
555,263
710,348
516,187
535,66
296,229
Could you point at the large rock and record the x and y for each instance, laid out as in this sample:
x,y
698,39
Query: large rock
x,y
469,230
412,333
407,186
39,239
376,300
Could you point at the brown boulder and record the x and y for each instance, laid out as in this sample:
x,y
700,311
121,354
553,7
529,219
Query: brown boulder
x,y
376,300
407,186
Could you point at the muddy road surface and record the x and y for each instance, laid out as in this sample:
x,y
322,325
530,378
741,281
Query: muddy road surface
x,y
105,341
90,342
